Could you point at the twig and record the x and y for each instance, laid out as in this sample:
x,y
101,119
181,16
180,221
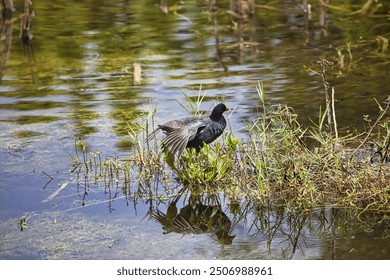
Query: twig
x,y
384,111
325,83
51,179
334,115
26,22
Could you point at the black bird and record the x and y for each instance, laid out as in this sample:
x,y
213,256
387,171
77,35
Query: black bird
x,y
192,132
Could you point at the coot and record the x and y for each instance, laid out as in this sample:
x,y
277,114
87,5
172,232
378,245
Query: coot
x,y
192,132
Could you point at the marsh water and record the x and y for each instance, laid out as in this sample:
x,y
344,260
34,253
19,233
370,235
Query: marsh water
x,y
93,66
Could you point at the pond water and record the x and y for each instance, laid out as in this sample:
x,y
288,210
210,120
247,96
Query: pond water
x,y
91,69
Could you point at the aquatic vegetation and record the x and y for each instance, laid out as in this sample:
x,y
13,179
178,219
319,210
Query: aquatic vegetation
x,y
281,164
284,174
285,181
283,168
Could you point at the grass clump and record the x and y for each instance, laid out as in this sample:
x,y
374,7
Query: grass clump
x,y
281,164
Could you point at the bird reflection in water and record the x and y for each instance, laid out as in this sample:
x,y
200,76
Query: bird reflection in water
x,y
196,218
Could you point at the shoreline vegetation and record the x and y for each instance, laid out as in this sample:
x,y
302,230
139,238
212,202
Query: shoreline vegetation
x,y
283,178
275,167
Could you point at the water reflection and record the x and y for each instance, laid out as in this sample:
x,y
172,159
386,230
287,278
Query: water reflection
x,y
6,23
197,216
244,24
251,229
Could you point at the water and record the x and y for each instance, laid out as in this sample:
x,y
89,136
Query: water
x,y
77,81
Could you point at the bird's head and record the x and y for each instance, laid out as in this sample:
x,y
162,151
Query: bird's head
x,y
218,111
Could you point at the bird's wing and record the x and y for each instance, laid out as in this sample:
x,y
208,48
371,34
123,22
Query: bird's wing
x,y
191,122
178,135
153,134
177,139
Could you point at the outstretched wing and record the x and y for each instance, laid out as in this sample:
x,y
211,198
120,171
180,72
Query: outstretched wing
x,y
179,133
177,139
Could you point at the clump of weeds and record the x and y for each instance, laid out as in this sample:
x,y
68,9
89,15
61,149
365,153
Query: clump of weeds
x,y
274,167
